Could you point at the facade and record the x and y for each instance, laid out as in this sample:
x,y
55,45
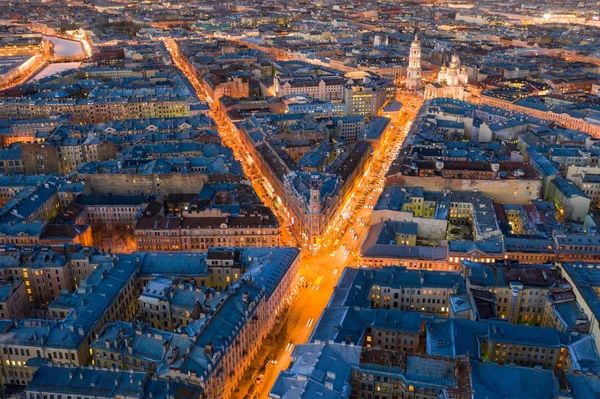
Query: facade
x,y
534,107
518,184
369,96
585,280
327,88
25,130
574,247
11,160
349,127
45,273
399,288
39,158
127,178
394,243
504,343
365,372
236,87
99,103
14,302
588,180
26,43
222,214
312,199
251,227
572,203
72,153
97,111
319,109
37,204
112,211
21,234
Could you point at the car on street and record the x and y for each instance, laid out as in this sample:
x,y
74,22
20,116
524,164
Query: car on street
x,y
259,379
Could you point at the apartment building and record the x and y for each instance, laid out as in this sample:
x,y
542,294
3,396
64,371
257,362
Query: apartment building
x,y
139,347
510,291
322,88
14,302
384,329
106,295
572,203
505,343
250,226
368,96
44,272
88,383
168,304
400,288
157,176
113,211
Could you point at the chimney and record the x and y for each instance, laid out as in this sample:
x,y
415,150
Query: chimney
x,y
209,349
439,165
165,347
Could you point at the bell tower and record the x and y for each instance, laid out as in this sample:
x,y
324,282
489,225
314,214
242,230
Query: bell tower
x,y
413,72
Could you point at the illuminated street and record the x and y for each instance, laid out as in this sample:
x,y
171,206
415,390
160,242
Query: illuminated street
x,y
345,235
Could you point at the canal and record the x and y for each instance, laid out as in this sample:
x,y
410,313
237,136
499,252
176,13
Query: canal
x,y
62,48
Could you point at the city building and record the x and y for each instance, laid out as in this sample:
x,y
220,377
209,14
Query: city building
x,y
168,304
572,203
514,292
451,82
413,72
112,211
14,302
398,288
367,96
86,383
222,214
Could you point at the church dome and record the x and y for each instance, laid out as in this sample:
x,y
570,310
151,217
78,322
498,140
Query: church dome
x,y
416,43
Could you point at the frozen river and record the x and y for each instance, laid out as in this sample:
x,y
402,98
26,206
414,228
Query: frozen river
x,y
54,68
64,47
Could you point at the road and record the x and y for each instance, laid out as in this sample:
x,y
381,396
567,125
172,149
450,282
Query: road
x,y
342,242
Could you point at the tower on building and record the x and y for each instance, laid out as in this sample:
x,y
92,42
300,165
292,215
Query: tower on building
x,y
315,195
413,73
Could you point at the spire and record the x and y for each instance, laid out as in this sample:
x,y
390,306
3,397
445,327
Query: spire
x,y
416,43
